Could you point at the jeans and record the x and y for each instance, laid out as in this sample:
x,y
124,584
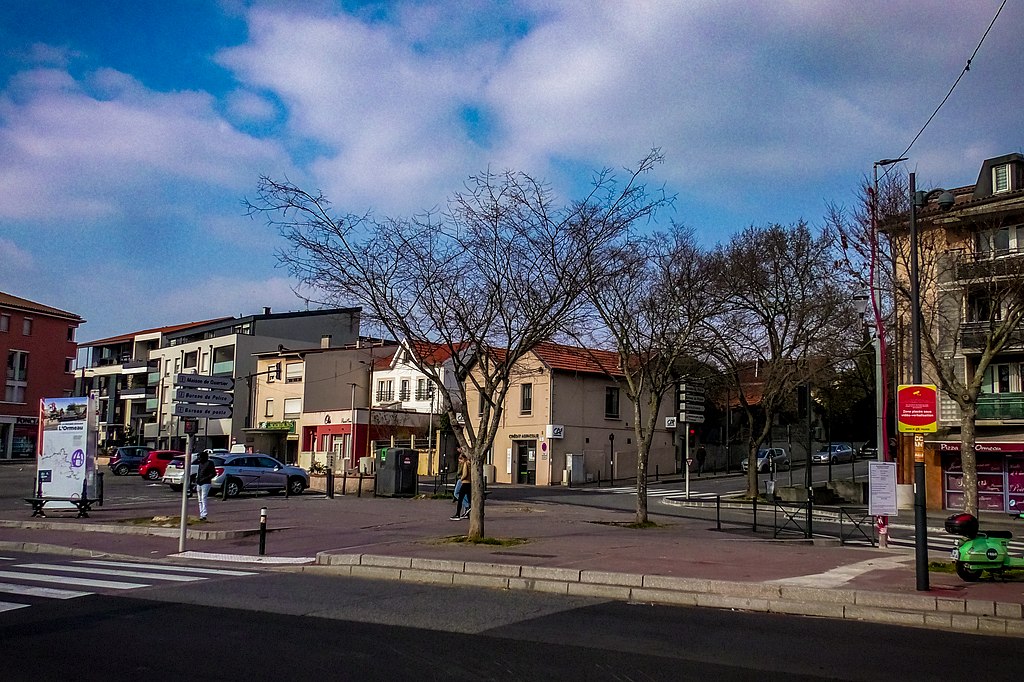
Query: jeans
x,y
463,499
204,492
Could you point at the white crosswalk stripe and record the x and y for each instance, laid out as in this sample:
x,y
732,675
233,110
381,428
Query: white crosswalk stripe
x,y
22,580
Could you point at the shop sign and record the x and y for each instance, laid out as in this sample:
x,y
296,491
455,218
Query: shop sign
x,y
288,426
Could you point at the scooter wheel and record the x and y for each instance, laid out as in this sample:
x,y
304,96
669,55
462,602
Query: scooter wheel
x,y
967,573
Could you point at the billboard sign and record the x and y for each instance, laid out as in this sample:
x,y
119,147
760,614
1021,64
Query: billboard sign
x,y
66,461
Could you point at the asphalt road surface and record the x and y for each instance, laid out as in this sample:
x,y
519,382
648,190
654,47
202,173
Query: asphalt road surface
x,y
290,626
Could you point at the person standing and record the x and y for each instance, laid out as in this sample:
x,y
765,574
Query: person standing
x,y
462,504
204,477
702,456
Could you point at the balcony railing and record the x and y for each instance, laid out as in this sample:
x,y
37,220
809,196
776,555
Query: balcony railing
x,y
970,265
1003,406
974,335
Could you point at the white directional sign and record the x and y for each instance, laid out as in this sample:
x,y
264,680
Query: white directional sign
x,y
202,411
191,395
203,381
691,418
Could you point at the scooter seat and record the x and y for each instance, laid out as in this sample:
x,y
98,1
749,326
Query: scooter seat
x,y
999,534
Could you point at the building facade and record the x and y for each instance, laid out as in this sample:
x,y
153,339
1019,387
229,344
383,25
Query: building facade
x,y
38,344
972,263
566,415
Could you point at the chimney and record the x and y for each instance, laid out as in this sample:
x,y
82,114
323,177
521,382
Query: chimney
x,y
325,341
266,310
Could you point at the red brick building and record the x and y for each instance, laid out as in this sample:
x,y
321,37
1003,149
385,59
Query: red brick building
x,y
37,344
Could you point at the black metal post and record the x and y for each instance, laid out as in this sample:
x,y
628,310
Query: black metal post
x,y
330,484
99,487
920,498
718,512
263,531
755,514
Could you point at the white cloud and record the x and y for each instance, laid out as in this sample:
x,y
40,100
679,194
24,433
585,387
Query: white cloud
x,y
14,259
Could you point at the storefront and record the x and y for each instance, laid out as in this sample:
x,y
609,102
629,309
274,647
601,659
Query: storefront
x,y
18,436
1000,476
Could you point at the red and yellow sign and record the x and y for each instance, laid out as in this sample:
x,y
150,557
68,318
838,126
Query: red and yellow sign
x,y
917,408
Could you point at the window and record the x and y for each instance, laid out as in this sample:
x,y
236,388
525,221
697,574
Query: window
x,y
1001,178
224,360
385,390
293,372
268,410
404,391
526,399
424,389
26,327
5,322
17,376
292,407
69,365
611,402
998,242
191,360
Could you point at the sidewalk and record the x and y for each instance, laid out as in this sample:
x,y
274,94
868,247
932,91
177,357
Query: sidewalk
x,y
567,548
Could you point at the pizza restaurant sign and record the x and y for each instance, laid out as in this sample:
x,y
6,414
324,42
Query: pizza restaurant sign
x,y
997,448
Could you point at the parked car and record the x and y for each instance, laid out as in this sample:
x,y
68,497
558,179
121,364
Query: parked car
x,y
834,453
869,450
768,459
128,458
255,471
175,470
153,467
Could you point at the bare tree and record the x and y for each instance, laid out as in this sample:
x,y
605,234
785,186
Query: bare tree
x,y
651,294
784,309
499,271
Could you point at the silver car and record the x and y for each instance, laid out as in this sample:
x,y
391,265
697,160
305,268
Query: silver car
x,y
252,471
834,453
768,459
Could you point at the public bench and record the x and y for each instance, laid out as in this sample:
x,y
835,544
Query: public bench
x,y
84,504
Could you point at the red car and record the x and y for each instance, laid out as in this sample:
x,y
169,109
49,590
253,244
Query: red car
x,y
153,467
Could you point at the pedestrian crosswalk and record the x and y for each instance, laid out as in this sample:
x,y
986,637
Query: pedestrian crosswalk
x,y
23,584
661,492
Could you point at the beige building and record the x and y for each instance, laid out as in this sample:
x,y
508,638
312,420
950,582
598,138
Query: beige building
x,y
565,411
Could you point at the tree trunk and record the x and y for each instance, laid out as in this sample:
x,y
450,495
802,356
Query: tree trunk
x,y
968,457
476,499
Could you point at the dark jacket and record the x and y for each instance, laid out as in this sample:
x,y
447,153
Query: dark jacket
x,y
207,472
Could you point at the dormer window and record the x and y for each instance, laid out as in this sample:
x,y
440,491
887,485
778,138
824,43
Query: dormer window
x,y
1001,178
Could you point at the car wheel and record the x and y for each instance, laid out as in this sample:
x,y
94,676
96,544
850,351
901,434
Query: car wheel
x,y
967,573
121,470
296,486
153,475
232,487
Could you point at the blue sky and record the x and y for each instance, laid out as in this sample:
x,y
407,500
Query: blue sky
x,y
130,132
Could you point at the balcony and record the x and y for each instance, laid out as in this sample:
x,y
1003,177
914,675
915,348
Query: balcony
x,y
974,335
1001,406
969,265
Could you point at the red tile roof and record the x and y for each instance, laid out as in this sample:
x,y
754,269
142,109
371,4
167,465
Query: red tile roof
x,y
163,330
12,301
579,360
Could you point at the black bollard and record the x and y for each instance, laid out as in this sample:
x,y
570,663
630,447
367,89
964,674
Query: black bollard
x,y
263,531
330,483
359,490
99,487
344,481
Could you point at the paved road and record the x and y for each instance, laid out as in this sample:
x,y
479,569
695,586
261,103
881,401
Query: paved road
x,y
295,626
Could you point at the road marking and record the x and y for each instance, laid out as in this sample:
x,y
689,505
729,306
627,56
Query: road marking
x,y
112,572
48,592
163,567
70,580
844,574
9,606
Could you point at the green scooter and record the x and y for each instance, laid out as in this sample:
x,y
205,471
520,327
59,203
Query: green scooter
x,y
980,550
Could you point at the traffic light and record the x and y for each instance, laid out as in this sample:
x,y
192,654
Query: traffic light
x,y
692,435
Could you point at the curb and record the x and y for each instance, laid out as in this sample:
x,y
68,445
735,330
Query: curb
x,y
960,615
121,529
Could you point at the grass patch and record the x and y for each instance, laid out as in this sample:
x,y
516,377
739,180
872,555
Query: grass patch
x,y
941,567
494,542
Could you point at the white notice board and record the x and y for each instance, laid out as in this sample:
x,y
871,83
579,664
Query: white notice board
x,y
882,488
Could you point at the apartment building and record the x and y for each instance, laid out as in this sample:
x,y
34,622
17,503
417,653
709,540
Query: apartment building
x,y
38,343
